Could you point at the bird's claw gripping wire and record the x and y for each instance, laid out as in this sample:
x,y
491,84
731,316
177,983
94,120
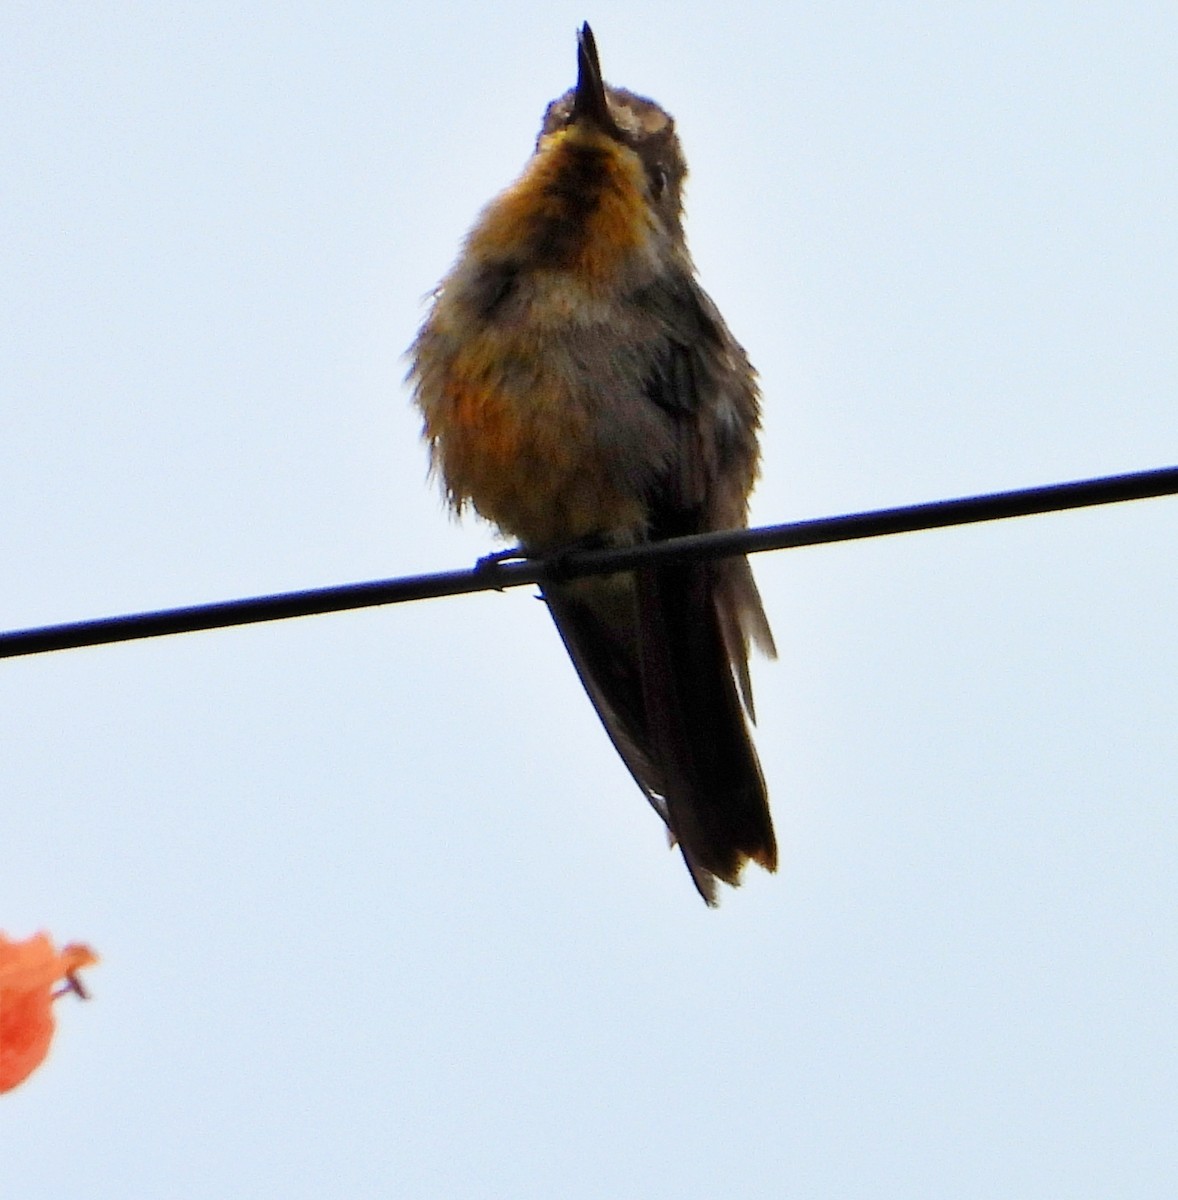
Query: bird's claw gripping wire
x,y
553,563
491,564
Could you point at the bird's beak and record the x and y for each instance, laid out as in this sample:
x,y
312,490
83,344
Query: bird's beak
x,y
589,102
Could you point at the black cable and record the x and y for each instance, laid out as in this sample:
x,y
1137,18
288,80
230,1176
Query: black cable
x,y
496,574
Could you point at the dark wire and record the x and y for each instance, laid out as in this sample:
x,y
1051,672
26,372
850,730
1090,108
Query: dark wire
x,y
504,572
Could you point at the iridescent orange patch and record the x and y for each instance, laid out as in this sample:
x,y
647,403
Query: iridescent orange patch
x,y
29,974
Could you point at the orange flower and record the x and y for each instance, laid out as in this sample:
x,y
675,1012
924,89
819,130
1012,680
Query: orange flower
x,y
28,972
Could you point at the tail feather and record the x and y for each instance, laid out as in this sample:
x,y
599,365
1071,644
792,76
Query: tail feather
x,y
654,651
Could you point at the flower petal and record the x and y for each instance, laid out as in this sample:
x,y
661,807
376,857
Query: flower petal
x,y
28,972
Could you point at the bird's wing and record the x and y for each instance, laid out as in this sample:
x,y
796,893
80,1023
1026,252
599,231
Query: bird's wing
x,y
657,648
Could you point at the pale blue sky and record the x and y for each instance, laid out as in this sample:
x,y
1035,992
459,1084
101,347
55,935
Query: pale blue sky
x,y
381,912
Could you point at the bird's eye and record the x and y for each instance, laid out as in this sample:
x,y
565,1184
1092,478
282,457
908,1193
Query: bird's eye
x,y
658,181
